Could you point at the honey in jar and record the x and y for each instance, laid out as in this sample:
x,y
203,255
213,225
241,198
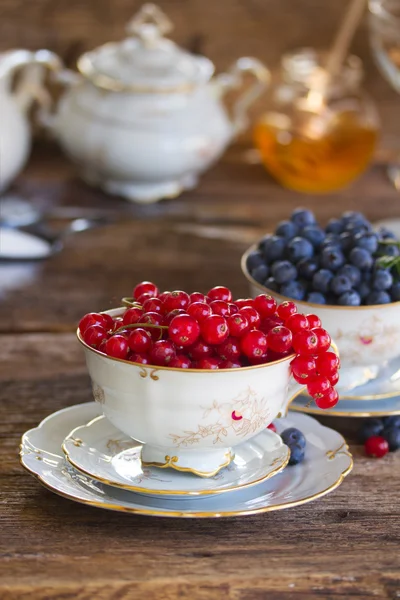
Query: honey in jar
x,y
317,142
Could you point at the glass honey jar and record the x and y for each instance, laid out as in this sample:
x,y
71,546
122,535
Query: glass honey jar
x,y
318,132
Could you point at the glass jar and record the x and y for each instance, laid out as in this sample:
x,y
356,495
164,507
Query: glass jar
x,y
318,133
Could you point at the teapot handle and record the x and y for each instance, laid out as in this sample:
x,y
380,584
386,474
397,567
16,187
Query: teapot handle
x,y
233,79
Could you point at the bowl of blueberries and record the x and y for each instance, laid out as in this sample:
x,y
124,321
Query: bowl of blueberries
x,y
346,272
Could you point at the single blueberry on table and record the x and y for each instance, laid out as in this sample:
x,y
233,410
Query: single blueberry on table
x,y
376,297
340,284
283,271
260,273
271,284
368,241
321,280
332,258
392,436
369,428
293,289
316,298
363,289
334,226
351,272
296,455
254,259
392,421
314,234
361,258
299,248
302,217
395,291
272,247
287,230
351,298
292,436
306,267
382,280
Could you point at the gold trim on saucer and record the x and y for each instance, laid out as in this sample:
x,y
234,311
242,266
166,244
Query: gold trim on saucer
x,y
332,413
171,462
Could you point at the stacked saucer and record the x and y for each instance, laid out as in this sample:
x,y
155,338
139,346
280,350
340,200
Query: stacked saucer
x,y
79,454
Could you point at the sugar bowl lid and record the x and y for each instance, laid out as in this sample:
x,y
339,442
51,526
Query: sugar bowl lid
x,y
146,61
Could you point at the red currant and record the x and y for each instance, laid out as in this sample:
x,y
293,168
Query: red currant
x,y
143,288
117,323
233,309
303,368
376,446
176,299
324,339
184,330
254,344
270,322
265,305
334,378
117,346
305,342
142,359
279,339
214,330
153,318
329,399
201,350
327,363
146,296
199,311
132,315
313,321
229,349
251,315
90,319
297,322
220,307
318,385
272,427
162,353
242,302
139,341
198,297
163,295
286,309
174,313
181,361
94,336
209,363
153,305
220,293
238,324
230,364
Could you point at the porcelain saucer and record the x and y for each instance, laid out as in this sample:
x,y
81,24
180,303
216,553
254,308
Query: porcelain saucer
x,y
349,408
101,451
326,464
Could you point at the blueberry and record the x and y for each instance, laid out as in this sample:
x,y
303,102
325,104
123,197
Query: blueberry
x,y
386,234
370,428
302,217
346,241
296,455
340,284
260,273
331,240
293,289
363,289
316,298
314,234
392,421
307,267
392,436
376,297
395,291
351,272
358,229
332,258
299,248
334,226
361,258
272,247
292,436
254,259
389,250
351,217
382,280
351,298
368,241
283,271
287,230
271,284
321,280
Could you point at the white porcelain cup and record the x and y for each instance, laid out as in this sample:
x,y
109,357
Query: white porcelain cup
x,y
190,420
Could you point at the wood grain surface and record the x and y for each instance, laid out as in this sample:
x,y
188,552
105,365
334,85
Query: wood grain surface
x,y
346,545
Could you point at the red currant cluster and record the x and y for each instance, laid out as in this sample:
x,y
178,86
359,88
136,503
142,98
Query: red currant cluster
x,y
212,331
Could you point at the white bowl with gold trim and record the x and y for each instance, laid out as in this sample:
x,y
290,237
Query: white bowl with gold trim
x,y
367,337
189,420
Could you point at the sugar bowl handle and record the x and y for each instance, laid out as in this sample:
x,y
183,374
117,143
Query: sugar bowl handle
x,y
233,80
293,390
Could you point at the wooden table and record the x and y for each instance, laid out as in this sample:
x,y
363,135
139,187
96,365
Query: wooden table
x,y
342,546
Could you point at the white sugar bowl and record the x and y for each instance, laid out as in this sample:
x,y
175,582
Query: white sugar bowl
x,y
144,118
